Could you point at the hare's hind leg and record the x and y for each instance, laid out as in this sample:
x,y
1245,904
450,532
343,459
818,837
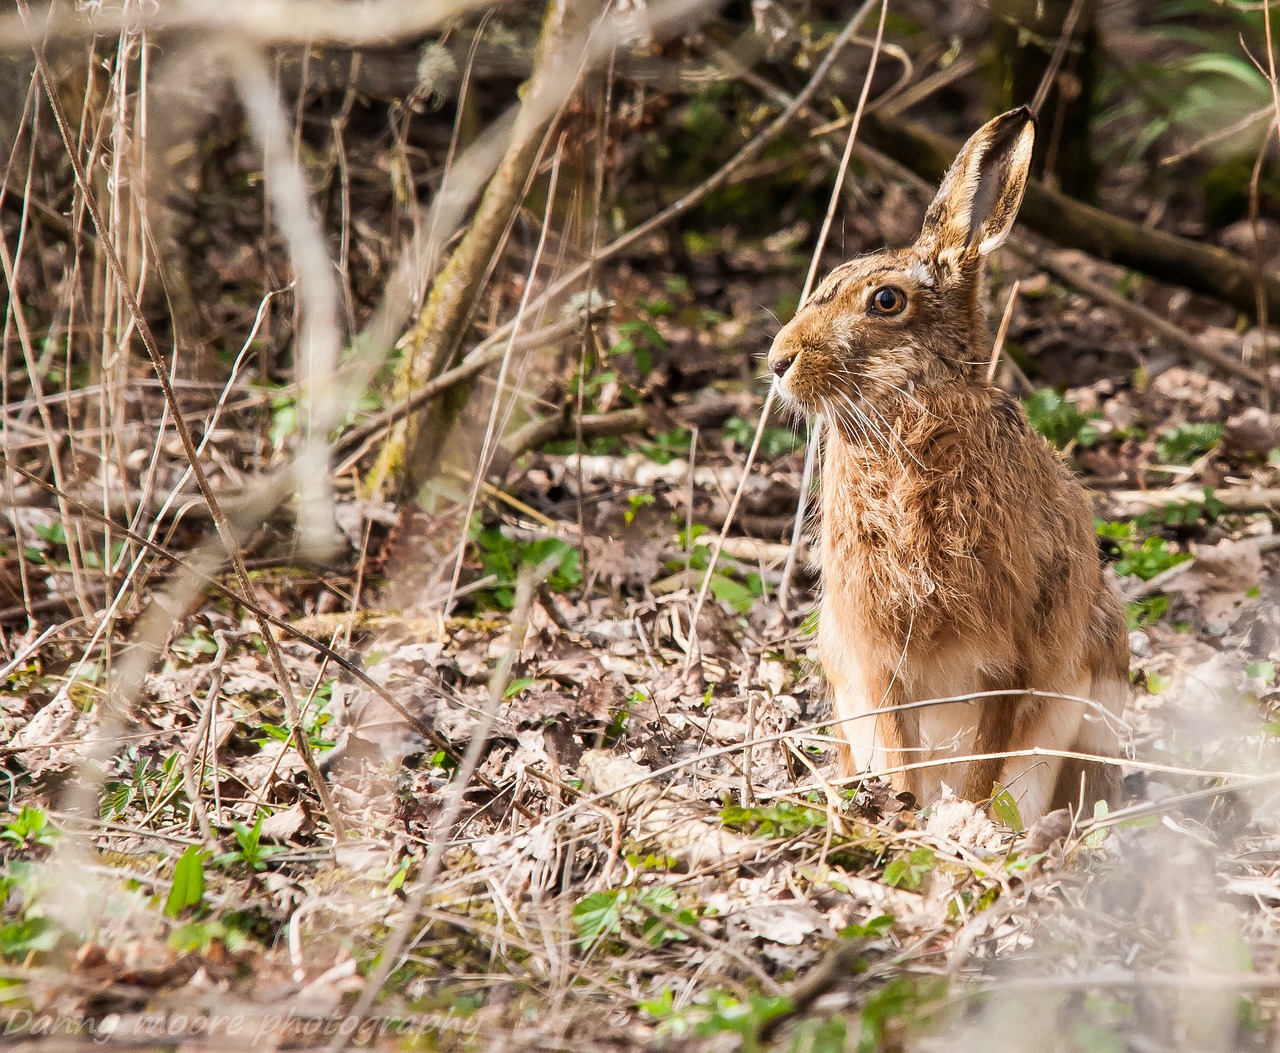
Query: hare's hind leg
x,y
1082,783
1044,723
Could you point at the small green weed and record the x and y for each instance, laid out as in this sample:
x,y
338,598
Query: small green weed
x,y
900,1003
635,502
1186,442
29,829
1146,611
1143,558
149,788
187,889
1059,420
774,442
642,912
196,646
502,557
910,873
774,820
1183,514
666,446
742,594
199,937
1005,809
34,935
314,720
22,885
641,340
249,850
716,1012
873,929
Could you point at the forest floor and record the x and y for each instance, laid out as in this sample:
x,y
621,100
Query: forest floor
x,y
655,847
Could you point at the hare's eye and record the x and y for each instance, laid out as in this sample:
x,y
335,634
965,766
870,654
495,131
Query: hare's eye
x,y
888,299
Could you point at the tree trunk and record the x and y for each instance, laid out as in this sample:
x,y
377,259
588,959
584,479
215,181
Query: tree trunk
x,y
1027,33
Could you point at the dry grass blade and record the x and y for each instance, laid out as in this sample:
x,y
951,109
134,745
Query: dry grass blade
x,y
815,433
398,941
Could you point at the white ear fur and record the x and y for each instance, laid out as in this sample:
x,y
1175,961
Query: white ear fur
x,y
978,200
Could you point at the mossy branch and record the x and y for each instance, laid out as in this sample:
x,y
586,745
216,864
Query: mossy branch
x,y
409,457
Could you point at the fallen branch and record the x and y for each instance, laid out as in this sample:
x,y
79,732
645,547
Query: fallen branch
x,y
722,176
484,355
837,967
1136,313
537,433
1134,502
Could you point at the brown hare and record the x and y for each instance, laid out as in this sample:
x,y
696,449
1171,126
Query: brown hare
x,y
958,552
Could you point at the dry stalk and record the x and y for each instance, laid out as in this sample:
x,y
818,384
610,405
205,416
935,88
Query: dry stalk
x,y
258,23
491,428
205,741
123,699
380,329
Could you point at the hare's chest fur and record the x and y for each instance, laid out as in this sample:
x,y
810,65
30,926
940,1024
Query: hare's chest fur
x,y
917,547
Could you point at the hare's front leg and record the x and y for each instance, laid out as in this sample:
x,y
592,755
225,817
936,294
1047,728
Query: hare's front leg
x,y
860,688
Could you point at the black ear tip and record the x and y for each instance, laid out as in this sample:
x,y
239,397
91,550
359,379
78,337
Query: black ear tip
x,y
1006,128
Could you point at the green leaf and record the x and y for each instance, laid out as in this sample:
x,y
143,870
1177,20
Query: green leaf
x,y
200,936
598,915
1101,811
734,593
32,935
516,686
910,873
1059,420
29,826
873,929
895,872
187,889
1005,809
1186,442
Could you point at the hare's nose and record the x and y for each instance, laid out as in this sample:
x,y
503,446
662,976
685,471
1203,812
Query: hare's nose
x,y
781,364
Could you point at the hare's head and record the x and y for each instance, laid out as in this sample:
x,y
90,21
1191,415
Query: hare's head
x,y
903,316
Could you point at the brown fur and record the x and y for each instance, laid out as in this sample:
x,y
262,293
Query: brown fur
x,y
958,552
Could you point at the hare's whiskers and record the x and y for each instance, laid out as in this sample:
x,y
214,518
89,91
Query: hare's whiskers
x,y
907,395
893,434
874,429
841,416
888,446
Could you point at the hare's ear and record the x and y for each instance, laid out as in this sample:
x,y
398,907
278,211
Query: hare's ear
x,y
980,194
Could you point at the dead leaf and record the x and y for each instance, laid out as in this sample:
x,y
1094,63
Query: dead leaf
x,y
280,826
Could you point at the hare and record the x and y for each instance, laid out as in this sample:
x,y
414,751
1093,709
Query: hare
x,y
958,553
